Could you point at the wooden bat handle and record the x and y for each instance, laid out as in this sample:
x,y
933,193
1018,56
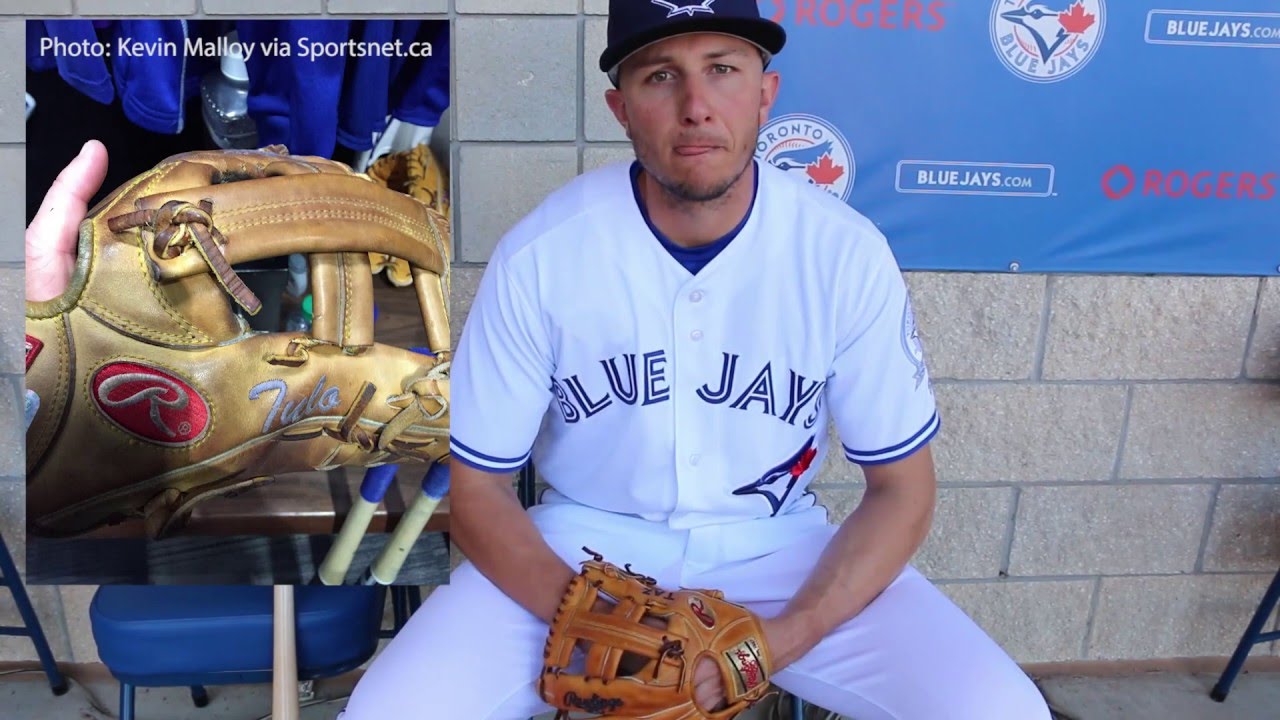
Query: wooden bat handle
x,y
284,675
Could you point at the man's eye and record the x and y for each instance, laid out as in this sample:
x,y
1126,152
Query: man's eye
x,y
660,76
722,69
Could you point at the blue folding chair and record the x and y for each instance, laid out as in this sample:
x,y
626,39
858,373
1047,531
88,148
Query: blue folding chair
x,y
198,635
1252,636
30,623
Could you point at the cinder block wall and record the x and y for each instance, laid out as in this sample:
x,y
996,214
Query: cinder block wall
x,y
1110,446
1110,451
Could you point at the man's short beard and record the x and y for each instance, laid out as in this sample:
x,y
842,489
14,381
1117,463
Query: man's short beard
x,y
690,194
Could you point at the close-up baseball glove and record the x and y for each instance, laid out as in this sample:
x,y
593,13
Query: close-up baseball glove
x,y
155,394
698,623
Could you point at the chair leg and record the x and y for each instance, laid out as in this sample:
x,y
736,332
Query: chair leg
x,y
199,696
1252,636
9,572
126,701
397,606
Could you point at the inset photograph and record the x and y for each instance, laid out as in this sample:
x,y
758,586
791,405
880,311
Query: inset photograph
x,y
237,282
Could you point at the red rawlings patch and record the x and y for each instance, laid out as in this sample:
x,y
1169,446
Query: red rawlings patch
x,y
33,349
150,403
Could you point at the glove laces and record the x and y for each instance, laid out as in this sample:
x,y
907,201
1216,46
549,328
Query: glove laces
x,y
178,225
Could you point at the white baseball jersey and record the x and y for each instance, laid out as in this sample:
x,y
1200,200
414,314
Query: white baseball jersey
x,y
638,387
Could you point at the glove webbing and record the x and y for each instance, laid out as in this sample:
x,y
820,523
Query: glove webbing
x,y
178,225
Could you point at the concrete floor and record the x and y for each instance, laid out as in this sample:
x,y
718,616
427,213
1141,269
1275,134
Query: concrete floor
x,y
1147,696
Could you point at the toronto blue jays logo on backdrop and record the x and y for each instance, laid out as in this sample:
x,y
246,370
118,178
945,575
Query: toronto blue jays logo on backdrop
x,y
777,482
1046,42
810,149
674,9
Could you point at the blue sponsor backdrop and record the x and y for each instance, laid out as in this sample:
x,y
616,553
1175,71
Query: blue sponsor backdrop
x,y
1095,136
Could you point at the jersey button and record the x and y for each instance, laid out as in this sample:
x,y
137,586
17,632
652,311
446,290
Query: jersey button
x,y
695,296
696,335
694,458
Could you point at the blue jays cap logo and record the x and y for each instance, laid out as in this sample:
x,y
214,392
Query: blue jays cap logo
x,y
1046,42
674,9
777,482
809,149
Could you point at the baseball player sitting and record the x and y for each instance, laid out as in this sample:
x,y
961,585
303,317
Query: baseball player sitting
x,y
669,341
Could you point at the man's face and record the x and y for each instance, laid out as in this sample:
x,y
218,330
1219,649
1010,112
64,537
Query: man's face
x,y
692,106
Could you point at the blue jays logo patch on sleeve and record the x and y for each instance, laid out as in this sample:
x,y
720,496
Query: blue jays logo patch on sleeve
x,y
911,342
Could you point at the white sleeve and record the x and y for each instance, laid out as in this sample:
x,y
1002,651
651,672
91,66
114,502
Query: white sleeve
x,y
879,392
501,375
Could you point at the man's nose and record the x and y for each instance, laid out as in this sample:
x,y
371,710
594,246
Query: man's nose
x,y
695,107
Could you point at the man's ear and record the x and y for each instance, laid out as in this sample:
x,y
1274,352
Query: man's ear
x,y
769,84
613,98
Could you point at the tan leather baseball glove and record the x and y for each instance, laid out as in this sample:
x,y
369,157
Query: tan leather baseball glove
x,y
154,392
417,173
698,623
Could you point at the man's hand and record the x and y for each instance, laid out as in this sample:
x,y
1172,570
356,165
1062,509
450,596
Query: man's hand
x,y
51,237
781,634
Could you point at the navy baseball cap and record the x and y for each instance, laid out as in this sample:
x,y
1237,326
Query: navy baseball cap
x,y
633,24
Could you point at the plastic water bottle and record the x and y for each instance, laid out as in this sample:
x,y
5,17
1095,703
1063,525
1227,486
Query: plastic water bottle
x,y
224,95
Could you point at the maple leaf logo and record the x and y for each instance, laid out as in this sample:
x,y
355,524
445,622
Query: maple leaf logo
x,y
1076,20
825,171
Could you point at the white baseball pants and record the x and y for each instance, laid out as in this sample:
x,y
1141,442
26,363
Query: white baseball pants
x,y
471,653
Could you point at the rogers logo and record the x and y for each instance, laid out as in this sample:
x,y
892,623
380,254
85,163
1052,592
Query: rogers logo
x,y
884,14
1121,181
150,404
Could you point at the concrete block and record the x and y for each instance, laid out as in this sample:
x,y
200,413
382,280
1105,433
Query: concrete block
x,y
36,7
44,598
597,156
1092,530
967,539
13,320
978,326
1043,621
1264,353
251,7
595,7
968,535
1103,327
518,7
499,185
1245,531
13,450
1203,431
386,7
13,62
598,120
1176,616
75,606
141,8
1015,432
13,194
466,279
517,79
